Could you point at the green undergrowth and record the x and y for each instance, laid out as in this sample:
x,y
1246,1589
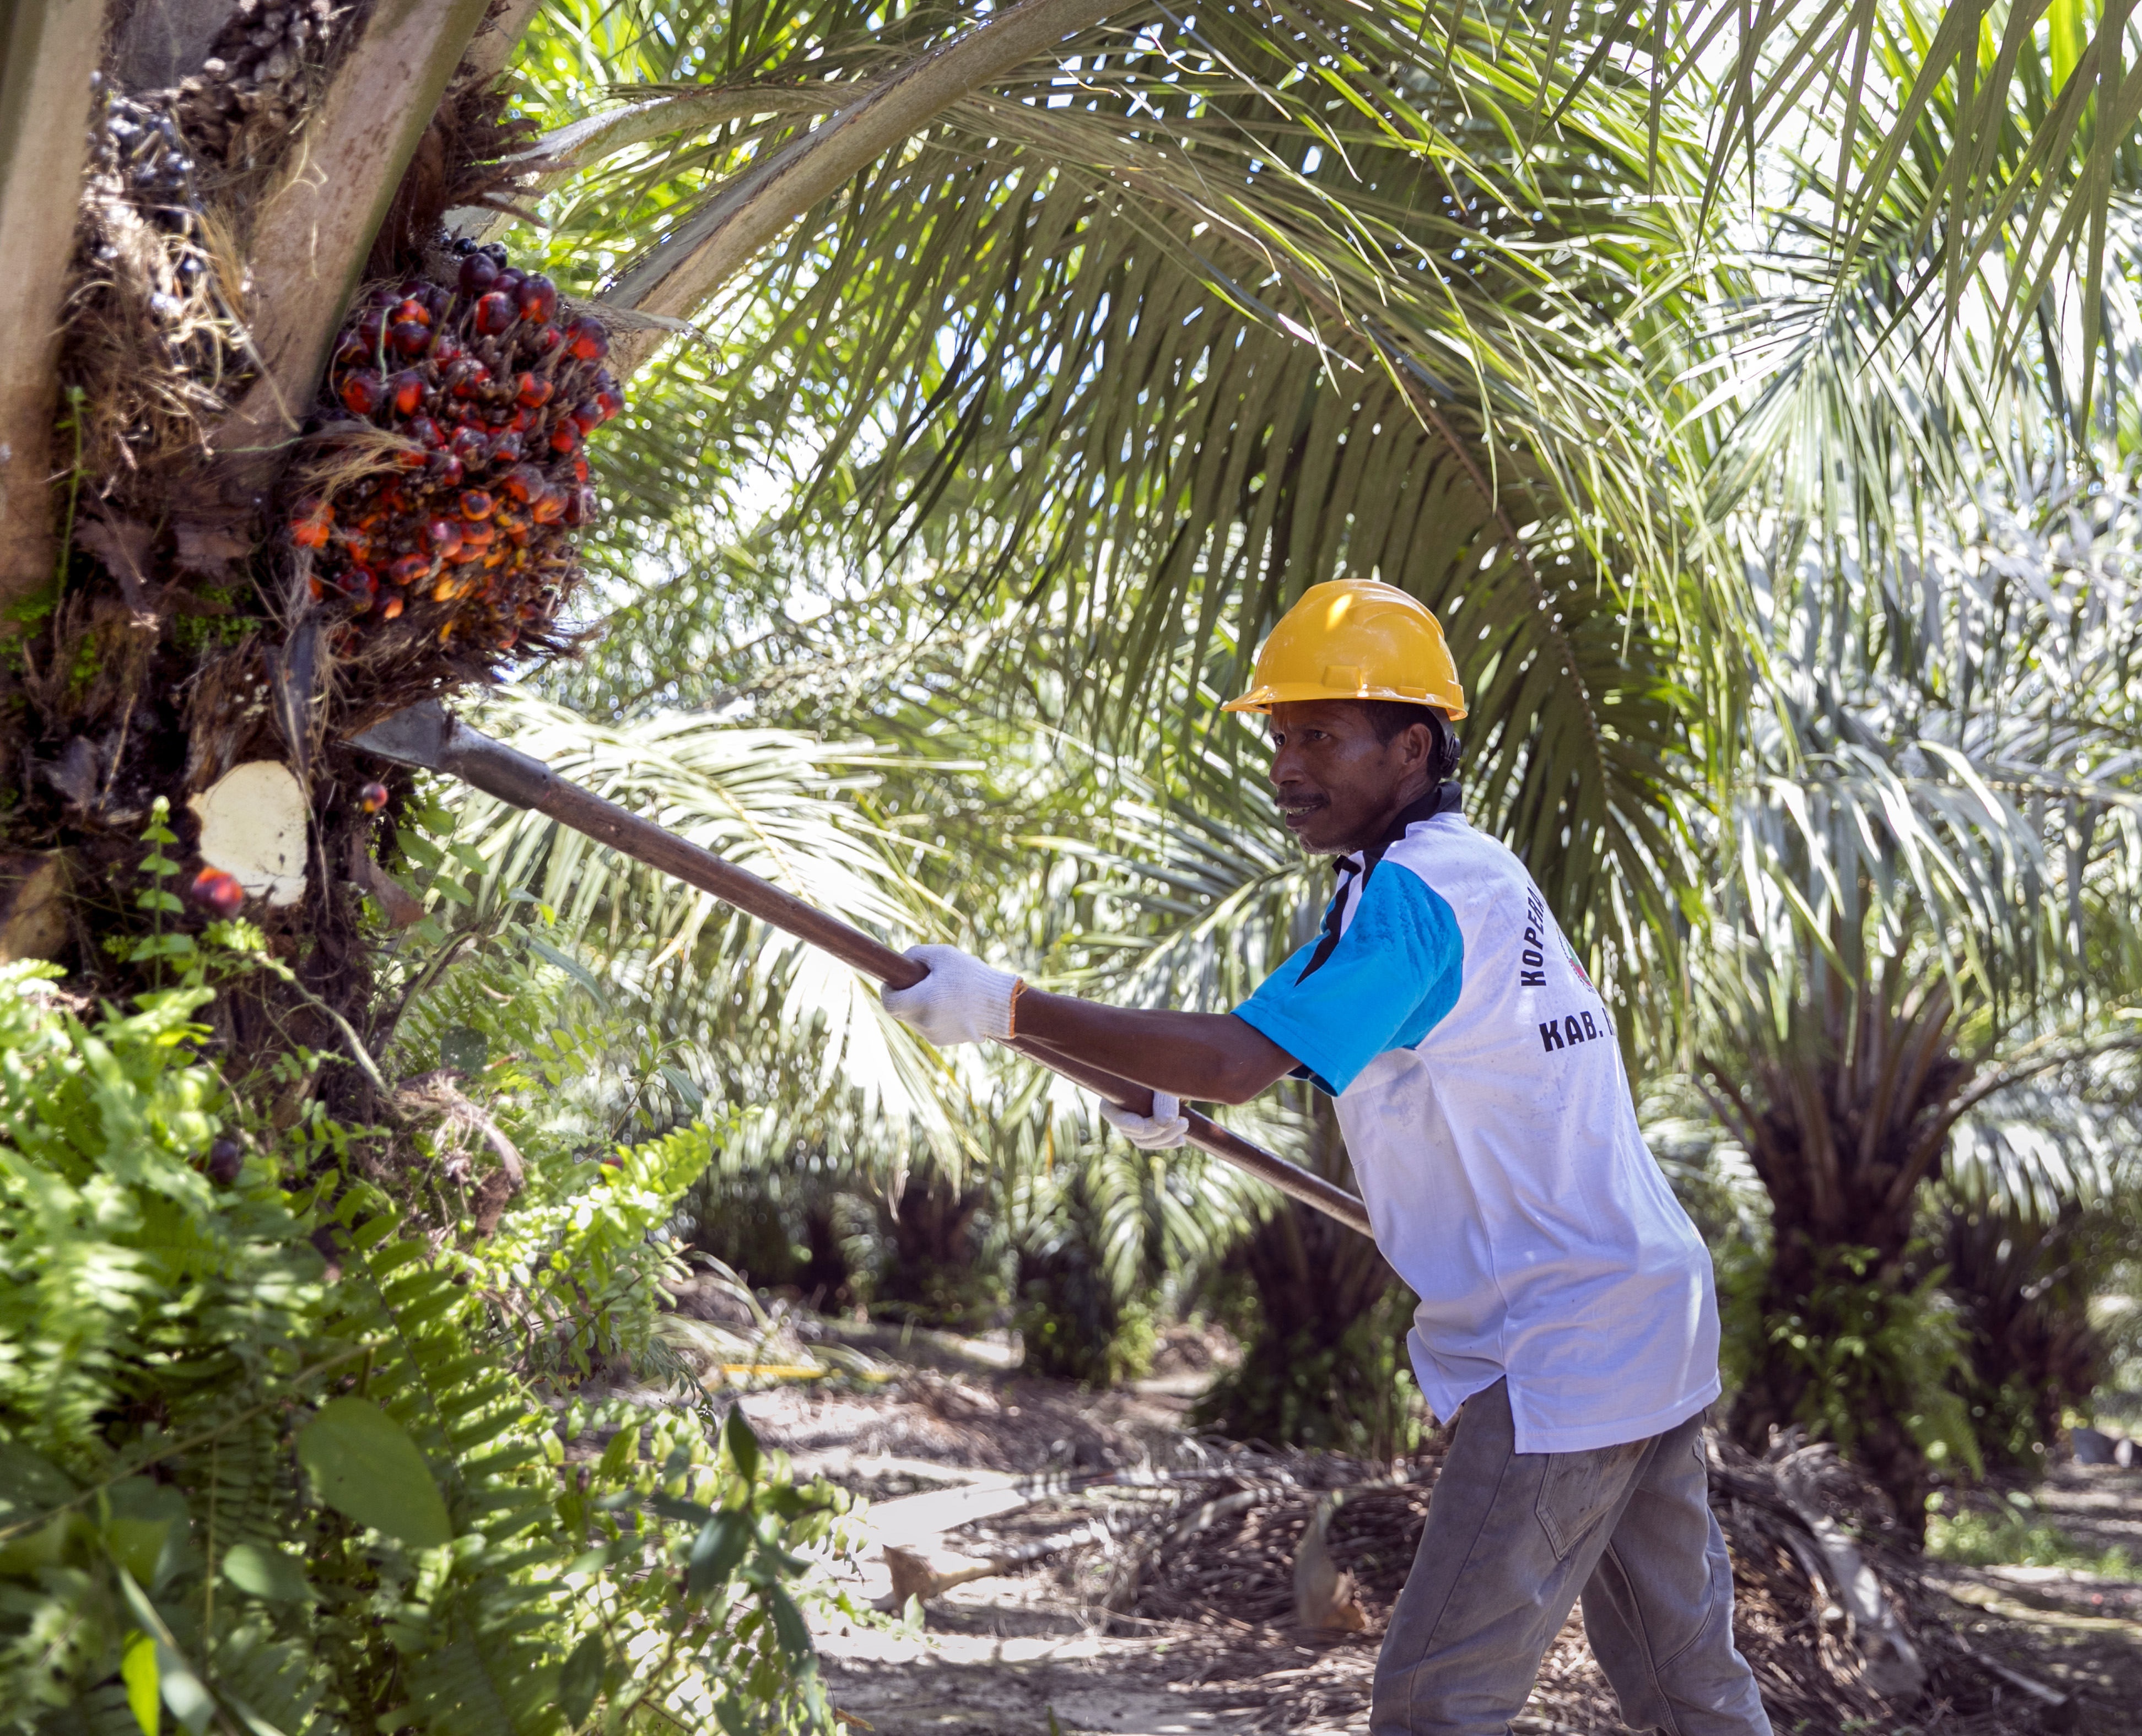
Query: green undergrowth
x,y
2011,1532
272,1463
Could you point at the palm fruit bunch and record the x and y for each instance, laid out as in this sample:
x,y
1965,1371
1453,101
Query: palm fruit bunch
x,y
467,532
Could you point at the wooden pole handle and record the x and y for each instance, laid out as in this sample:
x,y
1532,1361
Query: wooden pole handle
x,y
515,777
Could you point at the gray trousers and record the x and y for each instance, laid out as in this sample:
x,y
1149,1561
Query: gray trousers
x,y
1513,1537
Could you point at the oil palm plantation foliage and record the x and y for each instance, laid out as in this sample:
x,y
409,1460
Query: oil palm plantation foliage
x,y
1928,934
935,403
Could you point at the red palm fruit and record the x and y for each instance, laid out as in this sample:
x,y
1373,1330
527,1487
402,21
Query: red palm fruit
x,y
534,392
363,390
538,296
506,448
470,549
446,536
217,891
413,309
350,351
496,312
391,500
476,504
444,469
511,521
585,339
427,433
611,402
391,608
504,640
317,590
587,416
523,483
580,470
447,350
468,444
406,389
477,538
546,339
408,569
479,273
311,522
548,507
565,437
372,797
470,378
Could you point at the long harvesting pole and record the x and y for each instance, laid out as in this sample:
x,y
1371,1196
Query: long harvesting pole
x,y
429,737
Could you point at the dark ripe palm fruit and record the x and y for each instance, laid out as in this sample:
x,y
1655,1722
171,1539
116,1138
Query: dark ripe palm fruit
x,y
496,312
447,350
471,377
436,298
216,891
370,329
363,390
586,339
479,272
409,337
544,338
350,351
391,607
311,523
506,448
510,280
226,1157
445,537
533,393
408,391
469,444
538,297
565,437
372,797
476,504
444,469
587,416
427,433
359,586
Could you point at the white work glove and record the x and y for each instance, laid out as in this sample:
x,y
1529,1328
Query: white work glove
x,y
962,999
1163,1129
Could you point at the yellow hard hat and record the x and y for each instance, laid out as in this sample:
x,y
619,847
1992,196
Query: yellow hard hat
x,y
1355,639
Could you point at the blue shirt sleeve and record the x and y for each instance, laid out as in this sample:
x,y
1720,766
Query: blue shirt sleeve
x,y
1392,976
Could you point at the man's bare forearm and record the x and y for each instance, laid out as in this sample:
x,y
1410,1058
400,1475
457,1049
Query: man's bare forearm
x,y
1212,1058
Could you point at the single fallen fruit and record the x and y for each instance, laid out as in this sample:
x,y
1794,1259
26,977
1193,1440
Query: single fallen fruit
x,y
372,797
217,891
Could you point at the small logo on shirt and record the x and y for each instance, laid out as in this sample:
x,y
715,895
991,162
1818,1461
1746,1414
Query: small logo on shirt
x,y
1568,1032
1531,962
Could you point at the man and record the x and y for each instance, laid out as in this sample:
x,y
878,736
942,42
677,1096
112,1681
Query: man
x,y
1566,1315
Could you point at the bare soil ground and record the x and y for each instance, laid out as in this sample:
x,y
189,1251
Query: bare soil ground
x,y
1101,1631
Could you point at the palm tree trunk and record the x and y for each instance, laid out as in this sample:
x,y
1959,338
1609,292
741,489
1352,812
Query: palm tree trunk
x,y
48,51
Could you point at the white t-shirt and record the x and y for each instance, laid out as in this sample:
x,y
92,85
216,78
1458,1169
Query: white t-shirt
x,y
1491,1130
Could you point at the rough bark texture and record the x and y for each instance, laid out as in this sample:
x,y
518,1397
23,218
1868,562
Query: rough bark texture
x,y
317,224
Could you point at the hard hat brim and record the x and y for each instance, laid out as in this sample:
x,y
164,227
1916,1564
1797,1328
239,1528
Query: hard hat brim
x,y
1295,693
